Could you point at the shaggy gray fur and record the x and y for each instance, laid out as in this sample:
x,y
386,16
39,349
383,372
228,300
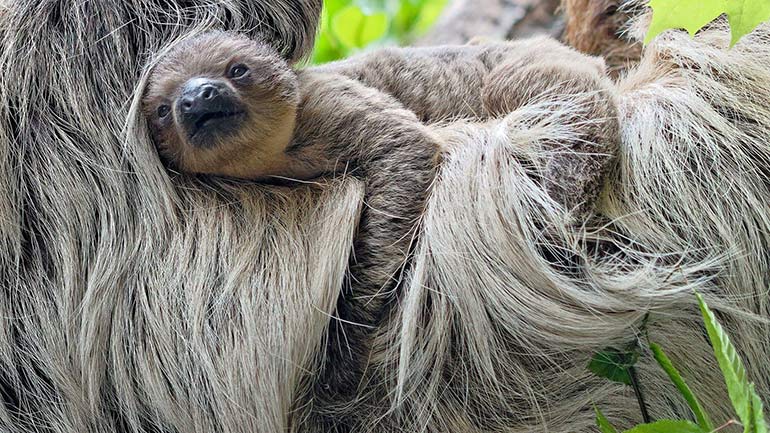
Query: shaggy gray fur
x,y
135,301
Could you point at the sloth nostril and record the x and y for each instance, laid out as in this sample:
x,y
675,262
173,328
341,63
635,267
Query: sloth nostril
x,y
209,92
187,104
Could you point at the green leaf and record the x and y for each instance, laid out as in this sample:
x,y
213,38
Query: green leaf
x,y
429,13
730,364
356,30
331,7
614,365
602,422
667,426
691,15
347,26
405,19
681,385
757,412
745,15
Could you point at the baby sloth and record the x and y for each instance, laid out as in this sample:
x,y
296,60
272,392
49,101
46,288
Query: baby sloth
x,y
223,104
227,105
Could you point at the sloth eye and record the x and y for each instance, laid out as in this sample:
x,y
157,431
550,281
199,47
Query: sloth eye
x,y
238,71
163,111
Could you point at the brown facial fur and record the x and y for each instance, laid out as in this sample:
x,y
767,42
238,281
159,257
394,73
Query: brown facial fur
x,y
268,91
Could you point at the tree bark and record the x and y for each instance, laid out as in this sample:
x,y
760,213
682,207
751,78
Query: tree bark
x,y
496,19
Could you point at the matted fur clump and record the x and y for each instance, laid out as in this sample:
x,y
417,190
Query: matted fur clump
x,y
137,300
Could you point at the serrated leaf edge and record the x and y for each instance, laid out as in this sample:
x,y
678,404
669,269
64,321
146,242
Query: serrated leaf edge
x,y
730,364
735,33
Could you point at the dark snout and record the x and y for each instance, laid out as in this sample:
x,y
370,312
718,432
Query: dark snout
x,y
208,109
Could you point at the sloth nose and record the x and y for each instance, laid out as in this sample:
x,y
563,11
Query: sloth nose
x,y
198,95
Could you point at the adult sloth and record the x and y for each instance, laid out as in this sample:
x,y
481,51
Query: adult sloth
x,y
135,301
131,301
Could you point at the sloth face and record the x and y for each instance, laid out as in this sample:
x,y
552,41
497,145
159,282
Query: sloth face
x,y
222,104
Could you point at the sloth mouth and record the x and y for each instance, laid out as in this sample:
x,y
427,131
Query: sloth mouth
x,y
215,117
209,128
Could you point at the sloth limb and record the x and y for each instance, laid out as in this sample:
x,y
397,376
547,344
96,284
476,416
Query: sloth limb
x,y
476,82
397,156
441,84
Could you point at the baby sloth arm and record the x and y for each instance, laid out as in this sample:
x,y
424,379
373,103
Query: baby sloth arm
x,y
349,128
353,128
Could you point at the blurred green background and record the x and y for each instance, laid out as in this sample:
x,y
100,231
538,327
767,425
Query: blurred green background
x,y
348,26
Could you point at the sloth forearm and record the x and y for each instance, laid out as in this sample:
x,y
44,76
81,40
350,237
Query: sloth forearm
x,y
434,83
349,127
352,128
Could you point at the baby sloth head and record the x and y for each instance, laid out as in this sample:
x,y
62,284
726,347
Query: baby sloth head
x,y
222,104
